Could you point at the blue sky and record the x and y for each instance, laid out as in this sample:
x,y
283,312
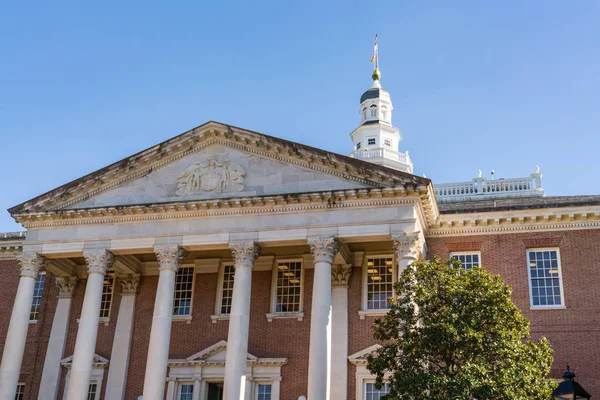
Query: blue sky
x,y
491,85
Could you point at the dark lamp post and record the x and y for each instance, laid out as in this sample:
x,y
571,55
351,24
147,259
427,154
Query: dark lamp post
x,y
569,389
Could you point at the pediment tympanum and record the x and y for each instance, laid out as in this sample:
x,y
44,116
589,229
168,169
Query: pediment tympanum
x,y
217,172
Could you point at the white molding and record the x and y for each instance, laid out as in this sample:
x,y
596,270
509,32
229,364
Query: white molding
x,y
364,311
273,314
563,304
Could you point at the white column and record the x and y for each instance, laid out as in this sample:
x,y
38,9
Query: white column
x,y
58,337
249,389
119,358
14,346
244,254
340,280
323,250
169,257
85,345
408,246
196,393
171,389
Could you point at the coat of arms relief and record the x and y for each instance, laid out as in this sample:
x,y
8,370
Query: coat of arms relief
x,y
214,176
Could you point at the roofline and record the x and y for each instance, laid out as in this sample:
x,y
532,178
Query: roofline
x,y
123,162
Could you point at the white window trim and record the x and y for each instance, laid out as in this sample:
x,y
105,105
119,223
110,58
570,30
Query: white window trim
x,y
188,318
106,320
299,315
217,316
363,375
560,279
364,312
35,321
181,383
20,384
372,138
466,253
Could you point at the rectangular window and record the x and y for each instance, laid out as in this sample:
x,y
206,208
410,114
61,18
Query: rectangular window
x,y
107,295
264,392
92,389
289,287
227,289
186,391
545,280
357,145
371,141
372,393
38,291
380,278
468,259
20,393
387,142
184,282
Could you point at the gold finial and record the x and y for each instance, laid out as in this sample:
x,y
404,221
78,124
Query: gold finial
x,y
376,74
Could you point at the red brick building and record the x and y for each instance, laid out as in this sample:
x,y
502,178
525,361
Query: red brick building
x,y
224,260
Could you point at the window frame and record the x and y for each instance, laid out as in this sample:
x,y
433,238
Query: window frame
x,y
358,145
365,311
372,139
563,305
20,385
97,391
387,142
187,318
367,381
259,383
218,315
180,385
465,253
111,274
34,321
273,314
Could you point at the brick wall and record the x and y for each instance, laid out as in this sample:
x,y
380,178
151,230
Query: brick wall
x,y
574,332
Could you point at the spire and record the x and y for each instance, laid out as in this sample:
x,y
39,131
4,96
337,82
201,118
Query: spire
x,y
375,60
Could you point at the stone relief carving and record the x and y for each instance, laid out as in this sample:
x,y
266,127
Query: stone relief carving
x,y
340,275
98,261
324,249
66,286
30,264
244,253
407,245
169,256
214,176
129,284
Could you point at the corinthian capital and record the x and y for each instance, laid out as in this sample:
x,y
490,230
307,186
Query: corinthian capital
x,y
324,249
244,253
30,264
407,245
98,260
340,275
129,284
66,287
169,256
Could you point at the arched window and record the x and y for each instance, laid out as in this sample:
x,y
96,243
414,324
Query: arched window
x,y
364,113
373,110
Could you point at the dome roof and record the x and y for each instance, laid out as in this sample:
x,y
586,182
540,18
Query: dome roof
x,y
374,93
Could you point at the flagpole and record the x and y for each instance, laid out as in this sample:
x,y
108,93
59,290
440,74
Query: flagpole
x,y
376,52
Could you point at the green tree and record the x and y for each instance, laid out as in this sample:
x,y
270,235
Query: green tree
x,y
453,334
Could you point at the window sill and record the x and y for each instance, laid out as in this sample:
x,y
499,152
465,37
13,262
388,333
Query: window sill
x,y
219,317
297,315
372,313
186,318
104,321
538,308
33,321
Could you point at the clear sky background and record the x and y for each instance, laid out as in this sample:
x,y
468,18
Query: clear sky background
x,y
498,85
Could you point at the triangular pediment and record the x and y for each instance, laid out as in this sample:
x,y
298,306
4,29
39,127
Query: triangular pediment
x,y
99,361
360,357
215,353
217,161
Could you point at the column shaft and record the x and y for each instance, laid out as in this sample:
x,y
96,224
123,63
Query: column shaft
x,y
196,394
339,346
58,338
14,346
85,344
119,359
239,320
169,257
323,249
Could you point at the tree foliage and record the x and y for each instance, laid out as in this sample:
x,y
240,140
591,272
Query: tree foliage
x,y
453,334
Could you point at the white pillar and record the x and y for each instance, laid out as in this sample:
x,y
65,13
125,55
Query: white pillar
x,y
85,345
323,250
249,389
408,246
169,257
340,280
58,337
196,393
119,358
244,254
275,389
14,346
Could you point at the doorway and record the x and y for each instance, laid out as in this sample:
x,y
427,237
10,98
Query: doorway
x,y
215,391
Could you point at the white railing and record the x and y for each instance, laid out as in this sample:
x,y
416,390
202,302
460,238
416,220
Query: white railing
x,y
13,235
481,188
383,153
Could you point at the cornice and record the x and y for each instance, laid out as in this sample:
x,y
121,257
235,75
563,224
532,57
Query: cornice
x,y
211,134
534,221
355,198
